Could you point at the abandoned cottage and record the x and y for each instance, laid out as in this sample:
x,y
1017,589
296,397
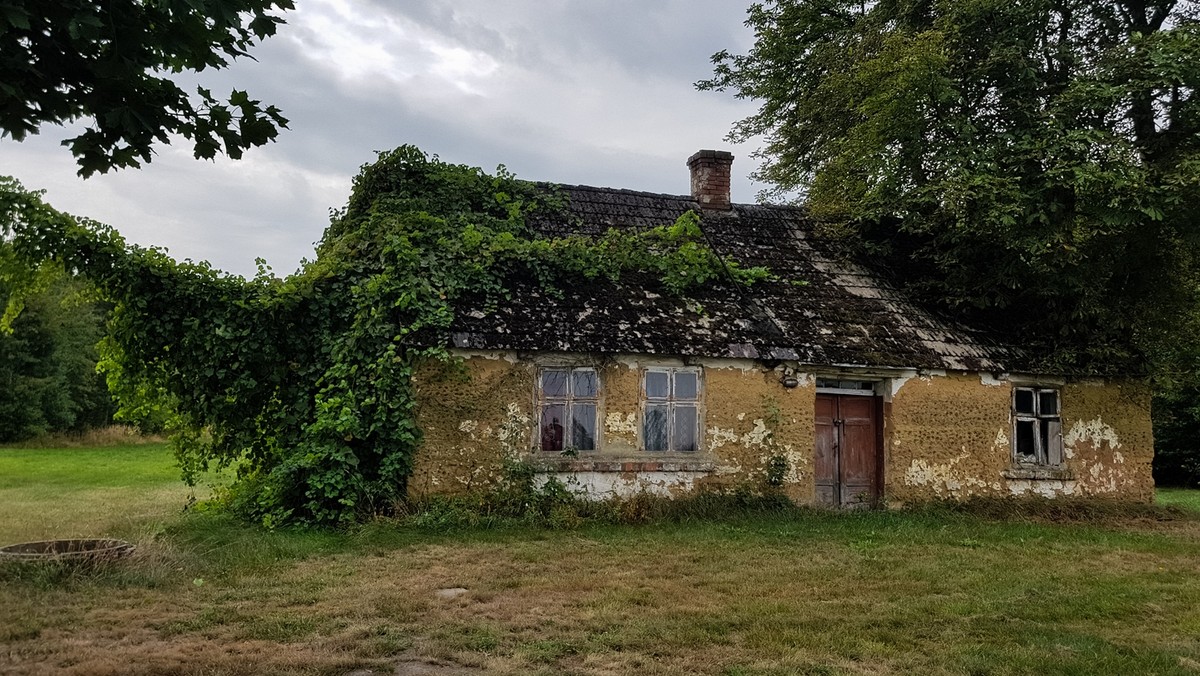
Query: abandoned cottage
x,y
839,390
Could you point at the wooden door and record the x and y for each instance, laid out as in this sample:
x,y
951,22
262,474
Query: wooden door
x,y
847,450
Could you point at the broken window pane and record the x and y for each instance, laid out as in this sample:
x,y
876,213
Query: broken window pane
x,y
684,429
554,384
1048,402
583,383
1023,401
583,427
657,384
554,417
685,385
656,427
1026,442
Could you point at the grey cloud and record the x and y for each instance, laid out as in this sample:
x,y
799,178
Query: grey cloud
x,y
593,93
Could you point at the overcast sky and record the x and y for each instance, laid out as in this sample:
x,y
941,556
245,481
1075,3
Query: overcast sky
x,y
573,91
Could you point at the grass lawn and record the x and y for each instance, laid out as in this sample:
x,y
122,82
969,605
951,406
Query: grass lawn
x,y
1184,498
799,592
76,492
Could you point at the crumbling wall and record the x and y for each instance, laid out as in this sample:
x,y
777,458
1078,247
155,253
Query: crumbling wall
x,y
473,414
479,413
1108,442
756,429
948,436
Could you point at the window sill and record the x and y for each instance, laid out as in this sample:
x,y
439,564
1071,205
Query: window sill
x,y
673,463
1040,473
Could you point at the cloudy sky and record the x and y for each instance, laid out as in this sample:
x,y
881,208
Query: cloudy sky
x,y
573,91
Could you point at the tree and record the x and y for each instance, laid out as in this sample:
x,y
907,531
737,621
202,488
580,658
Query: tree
x,y
48,379
1032,166
107,62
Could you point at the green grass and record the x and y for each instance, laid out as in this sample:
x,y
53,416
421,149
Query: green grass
x,y
1184,498
85,492
795,591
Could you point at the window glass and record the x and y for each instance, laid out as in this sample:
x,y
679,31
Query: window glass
x,y
569,398
1048,402
583,383
685,428
670,411
1023,401
685,385
554,418
583,427
554,384
656,427
657,385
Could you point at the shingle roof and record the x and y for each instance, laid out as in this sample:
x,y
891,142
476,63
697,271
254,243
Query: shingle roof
x,y
842,315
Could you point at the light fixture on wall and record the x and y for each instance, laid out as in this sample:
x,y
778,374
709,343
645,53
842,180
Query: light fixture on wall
x,y
789,379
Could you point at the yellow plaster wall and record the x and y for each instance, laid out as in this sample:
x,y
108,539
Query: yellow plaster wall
x,y
1107,438
949,436
475,415
749,419
946,436
472,415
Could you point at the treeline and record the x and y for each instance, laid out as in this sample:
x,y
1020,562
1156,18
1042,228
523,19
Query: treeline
x,y
48,377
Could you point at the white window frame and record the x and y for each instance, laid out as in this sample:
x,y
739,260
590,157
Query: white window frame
x,y
672,403
566,401
1048,445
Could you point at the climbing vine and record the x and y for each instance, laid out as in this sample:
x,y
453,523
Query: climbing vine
x,y
304,383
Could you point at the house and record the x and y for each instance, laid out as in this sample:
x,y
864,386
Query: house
x,y
838,389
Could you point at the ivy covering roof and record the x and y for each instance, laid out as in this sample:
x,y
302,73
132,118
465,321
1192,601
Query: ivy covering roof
x,y
823,310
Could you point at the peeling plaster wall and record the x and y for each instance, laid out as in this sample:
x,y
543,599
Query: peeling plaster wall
x,y
1107,438
946,435
949,437
750,418
472,415
476,415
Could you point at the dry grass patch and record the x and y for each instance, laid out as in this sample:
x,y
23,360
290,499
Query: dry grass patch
x,y
811,594
939,592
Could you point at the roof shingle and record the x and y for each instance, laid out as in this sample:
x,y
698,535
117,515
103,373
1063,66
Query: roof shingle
x,y
824,310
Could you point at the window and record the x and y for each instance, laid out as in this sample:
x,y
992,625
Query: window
x,y
567,404
1037,427
671,413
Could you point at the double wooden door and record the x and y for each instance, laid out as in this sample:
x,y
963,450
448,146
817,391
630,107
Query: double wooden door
x,y
848,458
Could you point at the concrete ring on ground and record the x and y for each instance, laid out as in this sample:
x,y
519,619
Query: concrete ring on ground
x,y
67,551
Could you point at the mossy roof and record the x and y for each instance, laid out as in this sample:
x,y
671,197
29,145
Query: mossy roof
x,y
827,309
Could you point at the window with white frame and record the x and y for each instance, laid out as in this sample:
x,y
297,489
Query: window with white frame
x,y
671,409
1037,427
567,398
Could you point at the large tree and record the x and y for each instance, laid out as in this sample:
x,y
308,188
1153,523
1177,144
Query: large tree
x,y
1031,164
108,62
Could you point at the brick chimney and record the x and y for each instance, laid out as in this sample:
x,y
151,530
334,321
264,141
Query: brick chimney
x,y
710,178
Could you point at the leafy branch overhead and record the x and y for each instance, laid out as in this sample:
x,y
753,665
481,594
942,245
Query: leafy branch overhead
x,y
109,64
1031,165
306,381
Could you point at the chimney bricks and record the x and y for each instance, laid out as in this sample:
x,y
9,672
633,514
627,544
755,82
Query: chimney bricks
x,y
710,178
